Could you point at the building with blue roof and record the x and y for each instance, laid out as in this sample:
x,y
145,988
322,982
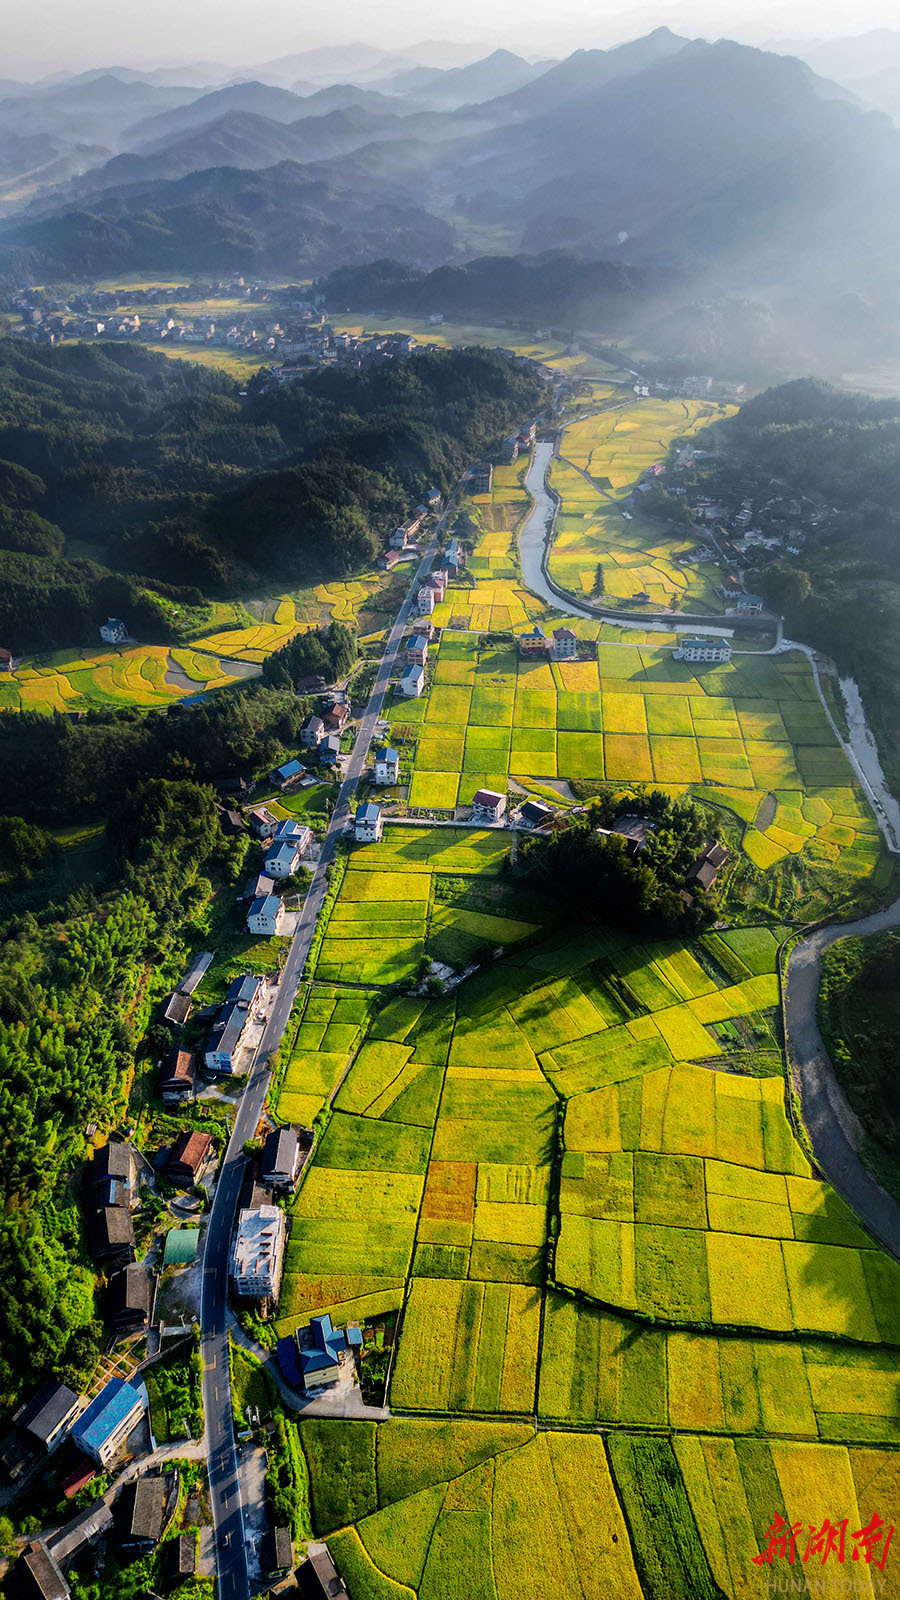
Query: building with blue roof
x,y
387,765
320,1352
289,771
266,915
368,827
283,860
228,1030
102,1429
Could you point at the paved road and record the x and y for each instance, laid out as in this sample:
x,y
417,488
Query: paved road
x,y
224,1484
833,1129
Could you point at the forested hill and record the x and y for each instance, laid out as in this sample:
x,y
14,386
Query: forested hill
x,y
125,476
841,591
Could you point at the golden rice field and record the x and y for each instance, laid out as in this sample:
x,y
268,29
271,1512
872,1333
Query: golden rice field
x,y
601,459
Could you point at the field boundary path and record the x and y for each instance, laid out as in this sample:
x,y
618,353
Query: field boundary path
x,y
224,1483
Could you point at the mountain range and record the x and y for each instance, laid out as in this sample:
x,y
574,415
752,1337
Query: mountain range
x,y
722,171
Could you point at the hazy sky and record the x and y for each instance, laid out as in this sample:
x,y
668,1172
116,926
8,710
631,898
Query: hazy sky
x,y
41,36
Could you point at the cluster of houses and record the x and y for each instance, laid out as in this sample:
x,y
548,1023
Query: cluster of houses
x,y
403,538
534,644
287,844
521,443
226,1052
258,1247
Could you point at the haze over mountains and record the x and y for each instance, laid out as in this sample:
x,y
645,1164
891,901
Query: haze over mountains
x,y
710,171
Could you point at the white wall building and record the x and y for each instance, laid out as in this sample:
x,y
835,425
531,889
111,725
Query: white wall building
x,y
257,1259
703,650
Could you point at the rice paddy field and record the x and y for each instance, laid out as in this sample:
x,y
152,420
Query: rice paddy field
x,y
750,736
635,1325
596,1224
601,458
151,676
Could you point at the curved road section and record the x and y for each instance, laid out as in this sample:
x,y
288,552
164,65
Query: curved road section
x,y
222,1461
833,1129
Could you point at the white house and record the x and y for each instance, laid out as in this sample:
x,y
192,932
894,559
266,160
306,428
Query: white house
x,y
257,1260
266,915
113,631
565,644
387,765
295,833
369,826
488,805
412,681
425,601
283,860
703,650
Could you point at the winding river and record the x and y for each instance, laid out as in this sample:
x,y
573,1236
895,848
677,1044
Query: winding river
x,y
833,1129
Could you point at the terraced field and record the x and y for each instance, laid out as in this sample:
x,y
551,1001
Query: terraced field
x,y
155,675
601,460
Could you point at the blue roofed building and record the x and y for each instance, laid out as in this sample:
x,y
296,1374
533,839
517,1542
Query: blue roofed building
x,y
387,765
266,915
282,860
320,1352
103,1427
368,827
288,772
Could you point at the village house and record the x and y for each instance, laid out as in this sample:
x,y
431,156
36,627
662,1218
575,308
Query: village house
x,y
534,642
565,644
276,1551
398,539
703,650
282,861
533,814
434,500
129,1298
113,1175
104,1426
412,682
176,1075
413,524
257,887
481,478
257,1259
47,1416
188,1158
425,600
455,555
387,765
262,823
335,716
318,1577
37,1575
113,631
289,772
509,450
417,650
706,868
6,659
368,826
328,753
527,436
139,1513
180,1558
750,605
226,1036
388,559
437,581
111,1236
311,732
292,832
488,805
266,915
319,1350
280,1161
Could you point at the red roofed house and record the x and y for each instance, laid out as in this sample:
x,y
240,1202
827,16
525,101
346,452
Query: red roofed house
x,y
188,1157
